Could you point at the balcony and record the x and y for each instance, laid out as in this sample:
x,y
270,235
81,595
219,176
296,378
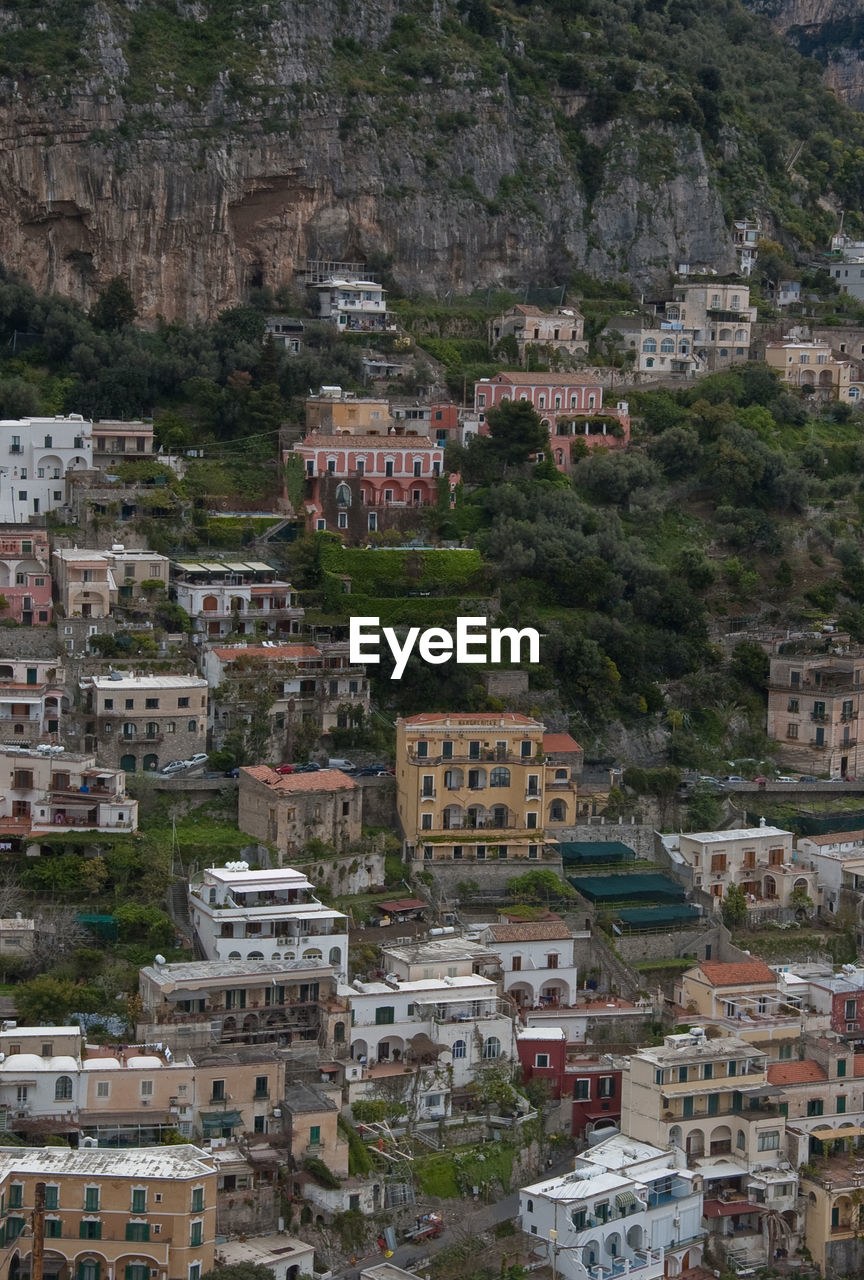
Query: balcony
x,y
819,746
820,717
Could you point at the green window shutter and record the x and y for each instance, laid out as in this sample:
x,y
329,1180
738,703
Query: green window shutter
x,y
197,1199
315,1135
195,1234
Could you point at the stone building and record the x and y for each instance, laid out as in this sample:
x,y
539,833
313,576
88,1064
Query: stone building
x,y
288,810
143,722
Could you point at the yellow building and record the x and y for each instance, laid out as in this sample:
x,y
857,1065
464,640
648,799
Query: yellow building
x,y
835,1216
812,364
479,786
333,411
140,1214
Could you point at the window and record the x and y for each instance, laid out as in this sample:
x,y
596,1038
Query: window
x,y
196,1233
791,731
342,520
428,787
426,822
90,1230
151,704
541,1060
52,1197
218,1091
91,1199
14,1227
814,1106
315,1135
198,1200
53,1228
794,705
384,1015
841,1067
146,1088
582,1090
139,1232
262,1086
841,1104
139,1200
422,749
137,1271
718,862
103,1089
63,1089
16,1195
768,1140
192,726
606,1087
516,964
499,777
182,702
491,1047
851,1010
530,821
578,1217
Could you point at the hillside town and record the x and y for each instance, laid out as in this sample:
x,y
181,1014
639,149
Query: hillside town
x,y
295,981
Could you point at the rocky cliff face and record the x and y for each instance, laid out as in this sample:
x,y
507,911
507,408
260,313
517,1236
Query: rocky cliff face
x,y
194,197
830,30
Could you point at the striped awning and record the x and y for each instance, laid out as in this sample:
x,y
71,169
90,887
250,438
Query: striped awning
x,y
625,1200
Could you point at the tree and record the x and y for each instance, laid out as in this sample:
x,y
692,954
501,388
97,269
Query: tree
x,y
515,432
538,886
704,812
115,308
734,907
46,1001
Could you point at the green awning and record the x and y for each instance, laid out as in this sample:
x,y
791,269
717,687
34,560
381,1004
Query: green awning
x,y
625,1200
221,1119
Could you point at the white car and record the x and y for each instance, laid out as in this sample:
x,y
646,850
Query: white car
x,y
200,757
174,766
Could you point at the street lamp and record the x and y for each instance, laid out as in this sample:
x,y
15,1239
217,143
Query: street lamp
x,y
553,1238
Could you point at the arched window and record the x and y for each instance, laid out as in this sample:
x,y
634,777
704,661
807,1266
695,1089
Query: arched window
x,y
343,495
460,1049
63,1089
152,729
740,1140
667,346
210,604
684,348
740,335
256,955
769,887
127,764
725,335
557,811
854,393
335,955
491,1047
234,955
499,777
650,344
561,775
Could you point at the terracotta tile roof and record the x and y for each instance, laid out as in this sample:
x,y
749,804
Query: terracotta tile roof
x,y
281,651
795,1073
737,974
553,742
346,441
491,719
838,837
530,932
322,780
544,380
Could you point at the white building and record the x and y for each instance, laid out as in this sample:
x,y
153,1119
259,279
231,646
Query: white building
x,y
44,1083
627,1208
242,597
463,1015
831,855
35,454
31,700
240,914
760,860
353,305
537,962
47,790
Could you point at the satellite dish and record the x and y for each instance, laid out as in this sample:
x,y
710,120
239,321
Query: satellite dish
x,y
160,960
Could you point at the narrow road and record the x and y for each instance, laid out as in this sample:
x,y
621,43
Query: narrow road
x,y
470,1219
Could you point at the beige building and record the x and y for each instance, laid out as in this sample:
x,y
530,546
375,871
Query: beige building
x,y
108,1213
310,1114
478,786
813,706
281,1002
114,441
48,790
561,330
17,936
834,1222
289,810
815,365
759,860
720,318
745,999
144,722
334,411
132,568
84,582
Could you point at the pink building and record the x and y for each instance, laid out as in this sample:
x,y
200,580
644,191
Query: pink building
x,y
570,405
25,575
359,484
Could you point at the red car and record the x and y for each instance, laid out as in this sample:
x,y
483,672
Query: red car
x,y
285,768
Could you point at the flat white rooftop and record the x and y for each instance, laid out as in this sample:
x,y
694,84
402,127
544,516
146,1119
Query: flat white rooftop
x,y
134,1162
147,682
737,833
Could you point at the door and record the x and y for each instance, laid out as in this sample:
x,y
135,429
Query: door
x,y
688,1108
127,764
820,737
713,1103
32,675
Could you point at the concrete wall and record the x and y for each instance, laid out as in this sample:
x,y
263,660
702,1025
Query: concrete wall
x,y
350,873
638,836
490,876
379,802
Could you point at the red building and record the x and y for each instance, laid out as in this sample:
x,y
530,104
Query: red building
x,y
593,1084
25,575
570,405
359,484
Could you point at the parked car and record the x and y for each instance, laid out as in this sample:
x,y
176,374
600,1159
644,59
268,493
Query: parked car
x,y
286,768
713,784
782,777
311,767
232,773
200,757
174,766
808,777
734,777
339,763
